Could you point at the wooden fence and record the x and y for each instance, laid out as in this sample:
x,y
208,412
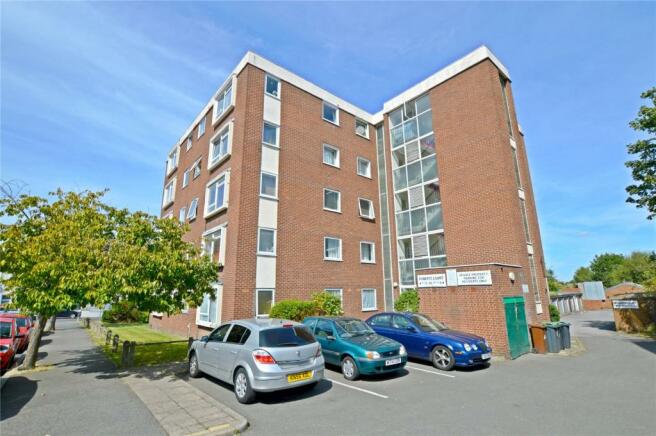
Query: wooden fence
x,y
128,348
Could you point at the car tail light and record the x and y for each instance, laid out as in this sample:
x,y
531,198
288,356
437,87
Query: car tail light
x,y
263,357
318,353
288,325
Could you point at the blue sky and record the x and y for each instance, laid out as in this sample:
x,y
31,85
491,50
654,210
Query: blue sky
x,y
93,95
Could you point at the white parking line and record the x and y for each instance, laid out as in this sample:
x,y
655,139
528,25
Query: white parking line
x,y
432,372
358,389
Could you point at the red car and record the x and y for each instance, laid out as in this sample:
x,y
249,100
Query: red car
x,y
9,340
24,326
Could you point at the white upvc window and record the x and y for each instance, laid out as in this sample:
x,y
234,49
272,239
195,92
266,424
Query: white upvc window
x,y
216,195
213,244
224,100
364,167
331,155
192,211
272,86
368,299
367,252
169,192
332,200
332,249
195,169
362,128
269,185
366,208
185,178
189,142
220,146
201,126
209,312
266,241
337,292
182,214
271,134
264,300
172,159
330,113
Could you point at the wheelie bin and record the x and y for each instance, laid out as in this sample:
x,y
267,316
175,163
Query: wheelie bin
x,y
554,341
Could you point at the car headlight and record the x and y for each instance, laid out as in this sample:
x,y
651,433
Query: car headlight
x,y
4,348
474,347
402,351
487,344
373,355
467,347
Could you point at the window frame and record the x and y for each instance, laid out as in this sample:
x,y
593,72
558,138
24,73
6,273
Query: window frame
x,y
170,167
277,127
196,164
185,178
339,200
171,183
182,214
189,142
202,126
325,103
371,203
357,167
230,83
223,228
366,135
268,76
218,313
337,160
373,252
192,206
275,234
368,309
257,301
341,254
216,138
226,181
272,197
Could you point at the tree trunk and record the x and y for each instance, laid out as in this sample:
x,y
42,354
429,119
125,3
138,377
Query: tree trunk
x,y
35,340
51,324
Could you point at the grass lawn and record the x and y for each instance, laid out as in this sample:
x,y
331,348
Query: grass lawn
x,y
145,354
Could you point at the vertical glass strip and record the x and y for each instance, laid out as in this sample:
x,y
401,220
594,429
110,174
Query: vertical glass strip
x,y
385,223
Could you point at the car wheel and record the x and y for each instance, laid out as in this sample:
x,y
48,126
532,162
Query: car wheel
x,y
349,368
243,390
443,358
72,316
194,372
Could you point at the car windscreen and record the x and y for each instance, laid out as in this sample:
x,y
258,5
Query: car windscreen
x,y
21,322
427,324
5,329
352,327
286,336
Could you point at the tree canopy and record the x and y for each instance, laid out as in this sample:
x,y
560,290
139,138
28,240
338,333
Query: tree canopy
x,y
612,269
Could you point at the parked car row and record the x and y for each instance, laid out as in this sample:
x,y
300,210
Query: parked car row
x,y
264,355
14,337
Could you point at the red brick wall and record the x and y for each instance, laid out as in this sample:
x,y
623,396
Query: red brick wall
x,y
597,304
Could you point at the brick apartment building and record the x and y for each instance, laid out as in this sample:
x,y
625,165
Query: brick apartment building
x,y
294,190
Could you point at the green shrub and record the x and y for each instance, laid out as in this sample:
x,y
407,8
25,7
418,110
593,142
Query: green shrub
x,y
554,313
326,304
124,311
294,310
408,301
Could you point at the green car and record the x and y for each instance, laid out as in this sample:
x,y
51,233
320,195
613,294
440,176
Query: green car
x,y
352,345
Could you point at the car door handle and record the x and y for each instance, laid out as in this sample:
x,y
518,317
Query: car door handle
x,y
233,352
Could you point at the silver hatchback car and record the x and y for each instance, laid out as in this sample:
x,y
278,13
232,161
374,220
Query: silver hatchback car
x,y
258,355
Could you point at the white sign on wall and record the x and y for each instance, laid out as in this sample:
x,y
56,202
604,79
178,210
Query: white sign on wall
x,y
431,280
625,304
474,278
451,277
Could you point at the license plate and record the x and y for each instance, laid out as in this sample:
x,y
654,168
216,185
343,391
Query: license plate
x,y
393,361
485,356
293,378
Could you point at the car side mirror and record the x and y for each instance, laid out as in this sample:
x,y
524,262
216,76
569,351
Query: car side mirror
x,y
411,329
204,338
330,337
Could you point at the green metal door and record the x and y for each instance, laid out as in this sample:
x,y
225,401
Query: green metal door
x,y
518,340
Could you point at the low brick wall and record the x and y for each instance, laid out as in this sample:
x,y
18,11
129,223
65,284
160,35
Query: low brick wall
x,y
597,304
182,324
636,320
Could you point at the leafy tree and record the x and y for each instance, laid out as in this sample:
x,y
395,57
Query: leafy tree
x,y
327,304
583,274
408,301
643,169
602,267
554,284
554,313
639,267
72,249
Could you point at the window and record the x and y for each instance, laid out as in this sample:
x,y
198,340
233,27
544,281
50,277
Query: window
x,y
223,101
382,321
211,244
362,128
331,155
208,314
366,208
201,127
191,212
518,179
238,334
266,242
264,299
367,252
269,185
272,86
219,333
169,193
196,169
332,200
330,113
185,179
332,249
216,195
182,214
270,134
368,299
188,143
220,145
324,328
400,322
172,160
522,207
337,292
364,167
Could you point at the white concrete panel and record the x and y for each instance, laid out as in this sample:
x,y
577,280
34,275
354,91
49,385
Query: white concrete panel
x,y
270,159
268,213
271,109
265,275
